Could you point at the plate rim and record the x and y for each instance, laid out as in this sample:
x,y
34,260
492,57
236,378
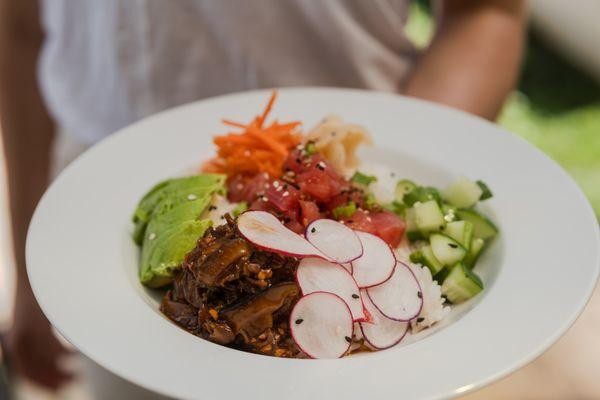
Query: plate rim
x,y
543,346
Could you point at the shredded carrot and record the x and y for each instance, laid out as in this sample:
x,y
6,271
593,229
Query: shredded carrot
x,y
256,148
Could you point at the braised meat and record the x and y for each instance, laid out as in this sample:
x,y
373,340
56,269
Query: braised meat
x,y
231,293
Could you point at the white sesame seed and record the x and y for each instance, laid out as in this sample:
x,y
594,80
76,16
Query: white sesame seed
x,y
264,198
152,236
279,188
267,186
192,197
285,194
276,184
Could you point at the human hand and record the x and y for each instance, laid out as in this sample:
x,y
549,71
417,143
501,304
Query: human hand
x,y
33,350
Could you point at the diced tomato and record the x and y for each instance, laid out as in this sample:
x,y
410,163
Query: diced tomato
x,y
389,227
309,211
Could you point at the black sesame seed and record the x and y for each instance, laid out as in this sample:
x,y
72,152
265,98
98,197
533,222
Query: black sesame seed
x,y
350,221
355,296
211,208
441,227
348,339
299,321
453,245
420,319
419,295
313,230
298,161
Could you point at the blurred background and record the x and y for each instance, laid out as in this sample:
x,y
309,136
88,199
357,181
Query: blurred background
x,y
556,107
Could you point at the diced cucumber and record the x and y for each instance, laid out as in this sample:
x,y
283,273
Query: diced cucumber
x,y
486,193
447,250
428,216
477,245
482,227
422,194
425,257
461,231
412,230
463,193
402,187
449,212
461,284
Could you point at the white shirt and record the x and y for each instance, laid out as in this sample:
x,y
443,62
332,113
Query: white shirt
x,y
108,63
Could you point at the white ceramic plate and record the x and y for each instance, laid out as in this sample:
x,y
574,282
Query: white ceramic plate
x,y
538,274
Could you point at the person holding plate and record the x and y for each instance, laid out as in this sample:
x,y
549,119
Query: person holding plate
x,y
71,73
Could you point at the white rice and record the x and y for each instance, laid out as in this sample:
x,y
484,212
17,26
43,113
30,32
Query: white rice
x,y
219,207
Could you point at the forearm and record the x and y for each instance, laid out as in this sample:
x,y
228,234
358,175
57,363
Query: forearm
x,y
473,61
27,131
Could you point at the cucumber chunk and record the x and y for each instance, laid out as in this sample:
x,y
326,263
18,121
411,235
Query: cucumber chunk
x,y
422,194
449,212
447,250
412,230
461,284
461,231
403,187
463,193
482,227
475,250
428,217
425,257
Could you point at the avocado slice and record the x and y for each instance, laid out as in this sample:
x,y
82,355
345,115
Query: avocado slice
x,y
163,254
172,192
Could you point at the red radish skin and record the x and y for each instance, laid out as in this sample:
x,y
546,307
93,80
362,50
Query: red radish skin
x,y
399,298
381,333
334,239
265,231
321,325
377,263
318,275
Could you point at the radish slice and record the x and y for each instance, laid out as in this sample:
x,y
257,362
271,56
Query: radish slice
x,y
264,230
318,275
321,325
377,262
381,333
399,298
334,239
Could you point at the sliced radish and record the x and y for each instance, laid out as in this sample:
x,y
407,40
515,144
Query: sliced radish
x,y
321,325
377,262
334,239
382,332
318,275
348,267
264,230
400,297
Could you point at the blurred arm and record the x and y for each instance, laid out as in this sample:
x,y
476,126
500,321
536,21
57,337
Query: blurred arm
x,y
473,61
27,133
